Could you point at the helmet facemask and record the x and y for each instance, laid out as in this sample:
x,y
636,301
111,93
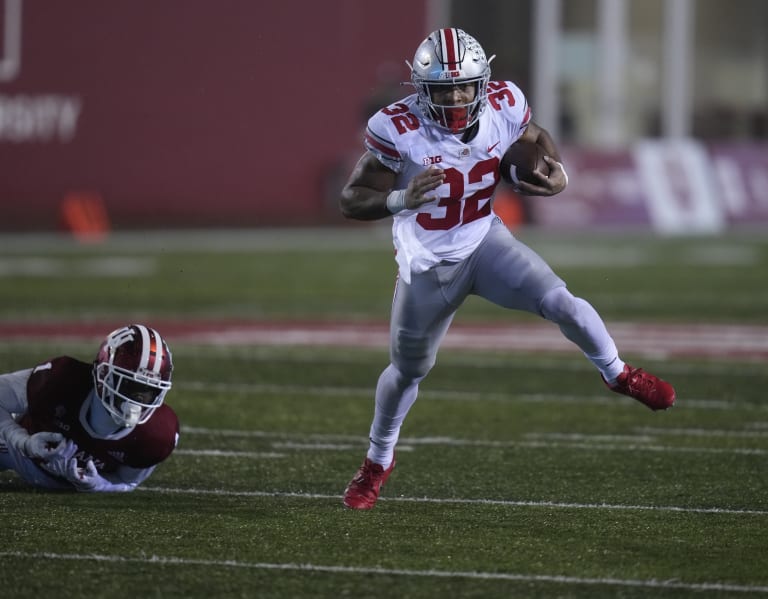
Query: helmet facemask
x,y
451,57
132,374
456,117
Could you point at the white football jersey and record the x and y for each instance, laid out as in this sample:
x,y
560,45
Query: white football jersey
x,y
452,226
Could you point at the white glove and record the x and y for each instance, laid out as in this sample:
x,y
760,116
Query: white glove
x,y
44,445
88,479
59,464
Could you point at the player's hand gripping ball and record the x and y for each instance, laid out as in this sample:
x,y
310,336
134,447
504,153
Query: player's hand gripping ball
x,y
520,160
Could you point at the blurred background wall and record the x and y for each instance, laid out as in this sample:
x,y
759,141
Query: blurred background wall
x,y
186,112
195,113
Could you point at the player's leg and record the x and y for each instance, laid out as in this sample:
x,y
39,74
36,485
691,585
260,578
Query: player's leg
x,y
511,274
27,469
581,323
420,319
6,460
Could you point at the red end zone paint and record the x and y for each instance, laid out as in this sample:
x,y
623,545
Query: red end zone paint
x,y
720,341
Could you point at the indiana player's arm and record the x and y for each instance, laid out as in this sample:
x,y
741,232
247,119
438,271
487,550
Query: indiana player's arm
x,y
131,477
125,479
13,400
370,195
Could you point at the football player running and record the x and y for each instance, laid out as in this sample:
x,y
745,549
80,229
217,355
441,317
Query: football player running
x,y
432,162
91,427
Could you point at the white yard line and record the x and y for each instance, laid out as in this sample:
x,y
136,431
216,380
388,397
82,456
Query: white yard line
x,y
598,442
452,395
409,445
466,501
353,570
223,453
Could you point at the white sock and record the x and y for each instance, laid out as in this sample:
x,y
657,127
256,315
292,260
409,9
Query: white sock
x,y
581,323
612,371
395,394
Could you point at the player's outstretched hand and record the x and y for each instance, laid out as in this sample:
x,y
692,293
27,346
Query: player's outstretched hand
x,y
88,480
85,479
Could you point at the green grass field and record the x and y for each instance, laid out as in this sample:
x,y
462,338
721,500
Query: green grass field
x,y
519,474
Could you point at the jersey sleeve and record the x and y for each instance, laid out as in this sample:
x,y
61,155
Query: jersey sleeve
x,y
379,141
510,101
153,441
13,405
13,391
130,477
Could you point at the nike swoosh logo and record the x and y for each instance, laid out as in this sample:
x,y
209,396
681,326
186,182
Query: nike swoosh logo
x,y
490,148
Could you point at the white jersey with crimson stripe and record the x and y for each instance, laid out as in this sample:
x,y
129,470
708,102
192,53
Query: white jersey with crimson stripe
x,y
451,227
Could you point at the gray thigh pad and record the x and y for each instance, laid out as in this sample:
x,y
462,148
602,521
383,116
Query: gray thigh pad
x,y
421,316
509,273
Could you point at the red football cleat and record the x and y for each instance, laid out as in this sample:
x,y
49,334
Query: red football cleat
x,y
644,387
363,490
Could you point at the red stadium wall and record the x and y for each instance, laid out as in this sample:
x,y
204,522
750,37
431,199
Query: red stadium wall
x,y
189,113
195,113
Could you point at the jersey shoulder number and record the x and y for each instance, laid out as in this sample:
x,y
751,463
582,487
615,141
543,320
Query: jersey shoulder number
x,y
507,99
386,128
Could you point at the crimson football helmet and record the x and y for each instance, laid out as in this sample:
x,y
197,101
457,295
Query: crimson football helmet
x,y
449,57
132,373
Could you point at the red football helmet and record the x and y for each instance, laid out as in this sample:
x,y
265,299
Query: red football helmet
x,y
132,373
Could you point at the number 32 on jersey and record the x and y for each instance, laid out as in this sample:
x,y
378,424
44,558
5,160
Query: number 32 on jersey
x,y
458,209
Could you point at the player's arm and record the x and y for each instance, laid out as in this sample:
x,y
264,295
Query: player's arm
x,y
124,479
87,479
369,193
538,135
13,391
556,180
13,400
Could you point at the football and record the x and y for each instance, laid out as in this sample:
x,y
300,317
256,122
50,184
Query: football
x,y
520,160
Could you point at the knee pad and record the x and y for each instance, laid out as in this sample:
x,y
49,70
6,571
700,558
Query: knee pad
x,y
413,356
559,305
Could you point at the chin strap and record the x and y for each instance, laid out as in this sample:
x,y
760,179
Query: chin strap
x,y
131,414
